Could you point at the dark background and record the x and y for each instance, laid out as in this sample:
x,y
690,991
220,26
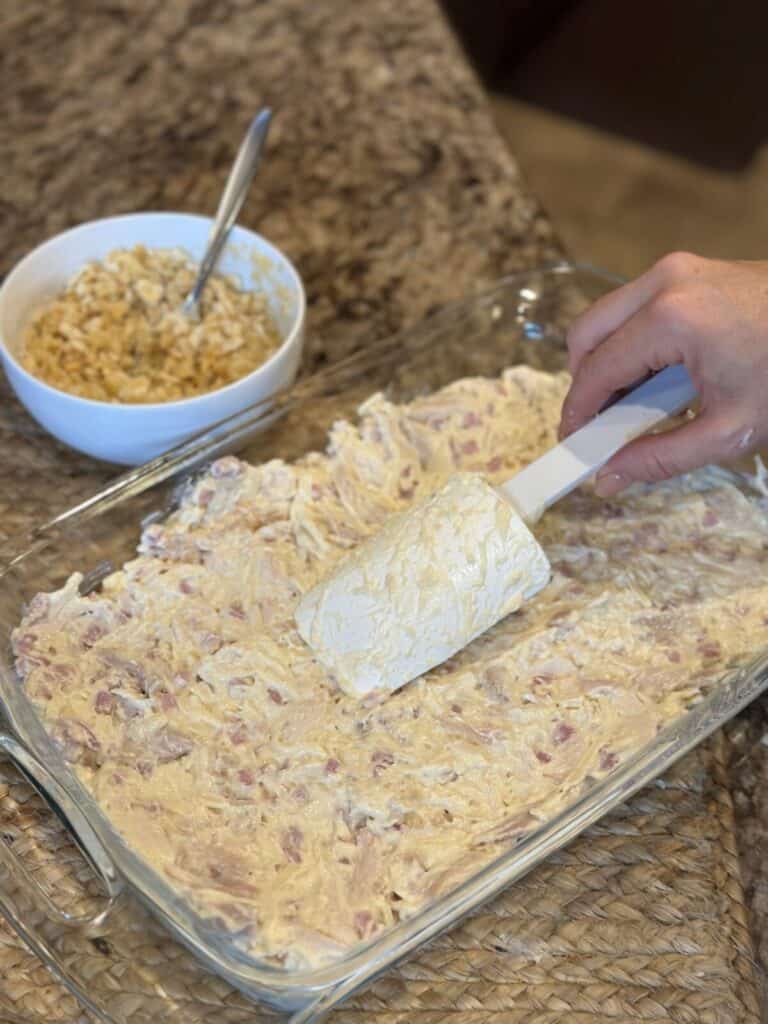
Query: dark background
x,y
689,78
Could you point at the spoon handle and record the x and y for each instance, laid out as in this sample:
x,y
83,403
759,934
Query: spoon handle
x,y
233,197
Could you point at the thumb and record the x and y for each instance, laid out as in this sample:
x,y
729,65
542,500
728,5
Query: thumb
x,y
662,456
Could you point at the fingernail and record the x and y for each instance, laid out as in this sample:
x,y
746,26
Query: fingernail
x,y
608,484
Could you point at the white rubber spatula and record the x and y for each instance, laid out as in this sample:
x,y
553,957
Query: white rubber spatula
x,y
445,571
534,489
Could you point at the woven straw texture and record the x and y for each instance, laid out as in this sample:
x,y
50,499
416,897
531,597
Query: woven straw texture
x,y
388,185
641,919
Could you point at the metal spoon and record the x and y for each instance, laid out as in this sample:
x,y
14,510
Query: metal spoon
x,y
233,197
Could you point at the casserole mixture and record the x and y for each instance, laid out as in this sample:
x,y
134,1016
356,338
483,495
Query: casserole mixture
x,y
303,820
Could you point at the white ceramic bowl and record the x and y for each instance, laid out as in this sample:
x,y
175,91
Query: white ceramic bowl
x,y
131,434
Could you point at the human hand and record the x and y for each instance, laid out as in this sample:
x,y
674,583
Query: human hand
x,y
710,315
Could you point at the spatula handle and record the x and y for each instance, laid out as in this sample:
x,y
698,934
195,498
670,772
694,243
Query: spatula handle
x,y
574,460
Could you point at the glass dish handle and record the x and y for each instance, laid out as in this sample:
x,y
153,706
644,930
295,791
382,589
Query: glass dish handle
x,y
78,828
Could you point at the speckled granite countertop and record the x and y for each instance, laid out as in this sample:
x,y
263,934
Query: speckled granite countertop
x,y
386,181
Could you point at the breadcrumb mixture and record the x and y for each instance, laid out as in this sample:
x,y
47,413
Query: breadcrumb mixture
x,y
116,333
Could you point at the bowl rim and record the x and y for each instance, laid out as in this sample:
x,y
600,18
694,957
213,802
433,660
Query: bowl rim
x,y
135,408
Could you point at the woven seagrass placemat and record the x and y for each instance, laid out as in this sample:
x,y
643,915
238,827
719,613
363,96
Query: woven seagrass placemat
x,y
641,919
132,104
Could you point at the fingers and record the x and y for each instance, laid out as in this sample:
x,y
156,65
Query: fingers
x,y
697,443
606,316
628,356
708,315
610,312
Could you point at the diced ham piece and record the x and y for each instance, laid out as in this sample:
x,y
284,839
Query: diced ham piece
x,y
94,632
381,759
608,760
710,649
24,643
27,655
562,732
104,702
239,734
291,842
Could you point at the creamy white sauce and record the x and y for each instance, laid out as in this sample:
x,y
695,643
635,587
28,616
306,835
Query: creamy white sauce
x,y
301,819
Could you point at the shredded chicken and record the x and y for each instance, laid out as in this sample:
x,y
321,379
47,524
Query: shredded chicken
x,y
305,821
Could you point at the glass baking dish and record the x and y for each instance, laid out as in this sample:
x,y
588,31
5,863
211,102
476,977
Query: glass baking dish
x,y
522,319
